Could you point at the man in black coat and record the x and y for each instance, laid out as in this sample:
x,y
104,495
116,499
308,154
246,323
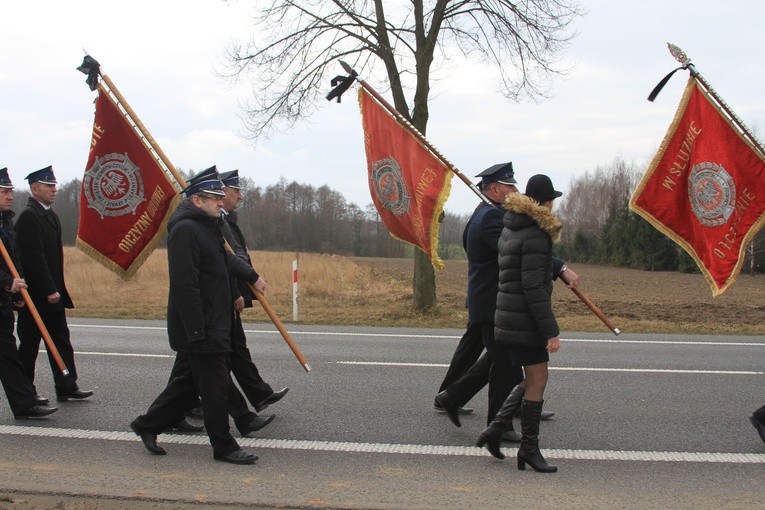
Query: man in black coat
x,y
258,392
18,388
200,316
42,258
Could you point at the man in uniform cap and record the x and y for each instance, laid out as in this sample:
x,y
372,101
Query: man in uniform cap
x,y
259,393
18,388
468,372
199,320
42,258
496,181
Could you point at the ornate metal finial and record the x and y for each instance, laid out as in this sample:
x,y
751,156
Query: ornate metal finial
x,y
679,54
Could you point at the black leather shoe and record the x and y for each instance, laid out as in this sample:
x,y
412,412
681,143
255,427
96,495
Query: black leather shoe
x,y
256,424
195,413
184,426
238,457
451,410
149,440
463,411
271,399
73,395
41,400
759,426
37,411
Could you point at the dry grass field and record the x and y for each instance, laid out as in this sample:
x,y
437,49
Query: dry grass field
x,y
378,292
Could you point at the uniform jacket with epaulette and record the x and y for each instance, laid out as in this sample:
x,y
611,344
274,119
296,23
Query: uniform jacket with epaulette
x,y
8,235
233,235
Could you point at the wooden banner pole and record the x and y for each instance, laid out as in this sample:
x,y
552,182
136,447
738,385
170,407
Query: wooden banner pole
x,y
35,314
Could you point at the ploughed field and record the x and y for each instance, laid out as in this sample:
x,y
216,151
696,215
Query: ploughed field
x,y
376,291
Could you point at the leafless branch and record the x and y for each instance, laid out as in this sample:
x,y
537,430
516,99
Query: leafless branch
x,y
296,43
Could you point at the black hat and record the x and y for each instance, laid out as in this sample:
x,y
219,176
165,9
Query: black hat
x,y
231,179
540,188
501,173
206,181
5,181
44,175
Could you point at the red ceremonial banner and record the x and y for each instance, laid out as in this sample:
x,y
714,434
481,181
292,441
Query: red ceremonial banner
x,y
126,197
705,188
408,183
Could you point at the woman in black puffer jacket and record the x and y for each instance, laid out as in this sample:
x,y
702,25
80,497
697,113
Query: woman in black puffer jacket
x,y
524,319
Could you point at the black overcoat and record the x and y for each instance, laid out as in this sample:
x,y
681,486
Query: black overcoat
x,y
41,253
200,308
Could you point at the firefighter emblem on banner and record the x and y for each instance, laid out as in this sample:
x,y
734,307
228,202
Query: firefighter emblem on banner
x,y
712,193
388,184
113,185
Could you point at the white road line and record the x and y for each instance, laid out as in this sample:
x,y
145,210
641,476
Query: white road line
x,y
573,369
384,448
660,342
451,337
444,365
123,354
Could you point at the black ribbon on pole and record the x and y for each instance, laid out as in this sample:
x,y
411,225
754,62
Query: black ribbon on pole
x,y
91,67
660,85
341,84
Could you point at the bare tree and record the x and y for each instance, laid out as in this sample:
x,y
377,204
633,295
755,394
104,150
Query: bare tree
x,y
450,236
592,198
291,57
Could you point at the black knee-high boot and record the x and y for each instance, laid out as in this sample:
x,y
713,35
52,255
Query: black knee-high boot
x,y
529,452
545,416
502,425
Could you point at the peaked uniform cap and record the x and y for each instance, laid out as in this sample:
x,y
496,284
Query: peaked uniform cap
x,y
5,180
501,173
231,179
206,181
44,175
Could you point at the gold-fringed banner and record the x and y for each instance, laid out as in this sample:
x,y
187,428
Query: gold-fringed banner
x,y
705,187
409,184
126,197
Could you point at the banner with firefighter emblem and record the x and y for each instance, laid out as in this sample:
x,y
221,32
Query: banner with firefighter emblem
x,y
408,183
126,197
705,188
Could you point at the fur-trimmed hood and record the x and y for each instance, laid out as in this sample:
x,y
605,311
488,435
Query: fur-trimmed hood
x,y
525,210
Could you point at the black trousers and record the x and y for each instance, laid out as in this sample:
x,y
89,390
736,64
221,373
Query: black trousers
x,y
465,355
244,369
495,367
18,389
210,374
29,346
237,406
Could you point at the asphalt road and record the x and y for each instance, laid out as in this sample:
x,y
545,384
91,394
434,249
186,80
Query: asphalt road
x,y
642,421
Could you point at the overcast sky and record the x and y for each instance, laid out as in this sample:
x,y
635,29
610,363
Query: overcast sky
x,y
161,54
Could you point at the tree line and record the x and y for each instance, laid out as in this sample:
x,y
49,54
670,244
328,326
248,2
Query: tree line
x,y
289,216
